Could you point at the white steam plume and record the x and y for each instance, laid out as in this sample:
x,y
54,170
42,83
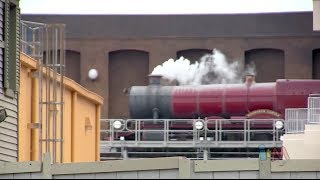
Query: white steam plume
x,y
212,69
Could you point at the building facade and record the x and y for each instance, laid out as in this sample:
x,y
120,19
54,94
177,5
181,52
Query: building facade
x,y
9,78
79,131
125,48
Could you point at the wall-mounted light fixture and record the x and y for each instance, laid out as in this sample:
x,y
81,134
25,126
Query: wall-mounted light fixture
x,y
3,115
93,74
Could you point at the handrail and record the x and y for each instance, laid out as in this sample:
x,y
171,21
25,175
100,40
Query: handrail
x,y
169,130
295,120
313,110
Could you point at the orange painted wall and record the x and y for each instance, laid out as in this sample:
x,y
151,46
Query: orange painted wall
x,y
84,130
80,134
67,127
24,115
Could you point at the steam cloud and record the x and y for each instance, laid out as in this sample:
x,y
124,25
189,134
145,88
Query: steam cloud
x,y
212,69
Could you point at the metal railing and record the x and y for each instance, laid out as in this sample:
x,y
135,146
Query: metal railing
x,y
184,133
192,138
46,44
32,39
295,120
314,109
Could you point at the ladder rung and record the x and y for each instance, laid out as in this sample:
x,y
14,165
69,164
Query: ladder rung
x,y
54,65
52,140
51,102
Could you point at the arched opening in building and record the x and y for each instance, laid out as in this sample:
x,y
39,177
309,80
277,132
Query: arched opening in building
x,y
316,64
126,68
269,63
193,54
72,64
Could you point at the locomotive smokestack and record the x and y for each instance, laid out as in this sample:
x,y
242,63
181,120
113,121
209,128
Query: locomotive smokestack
x,y
250,79
155,79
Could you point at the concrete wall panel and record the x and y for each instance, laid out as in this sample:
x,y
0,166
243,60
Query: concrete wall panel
x,y
106,175
226,175
249,174
127,175
169,174
149,174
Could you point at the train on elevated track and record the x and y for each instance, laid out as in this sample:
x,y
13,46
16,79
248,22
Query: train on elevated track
x,y
218,112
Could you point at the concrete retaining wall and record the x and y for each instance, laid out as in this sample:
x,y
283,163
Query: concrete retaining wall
x,y
163,168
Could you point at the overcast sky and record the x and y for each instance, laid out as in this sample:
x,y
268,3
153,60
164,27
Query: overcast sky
x,y
161,6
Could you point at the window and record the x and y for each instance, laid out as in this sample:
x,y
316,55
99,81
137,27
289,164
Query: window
x,y
12,49
2,44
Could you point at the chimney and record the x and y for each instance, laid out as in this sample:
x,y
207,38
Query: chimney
x,y
155,79
250,79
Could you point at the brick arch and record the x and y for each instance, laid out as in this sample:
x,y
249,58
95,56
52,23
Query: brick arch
x,y
126,68
316,63
193,54
269,63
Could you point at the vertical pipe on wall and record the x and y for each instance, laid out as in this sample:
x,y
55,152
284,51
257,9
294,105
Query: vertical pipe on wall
x,y
34,118
62,73
98,114
74,100
47,87
53,103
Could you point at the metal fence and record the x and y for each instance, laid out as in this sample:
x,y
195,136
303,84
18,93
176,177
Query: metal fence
x,y
295,120
32,39
190,135
214,130
314,109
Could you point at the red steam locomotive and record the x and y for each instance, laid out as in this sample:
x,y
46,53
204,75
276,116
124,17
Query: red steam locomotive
x,y
247,100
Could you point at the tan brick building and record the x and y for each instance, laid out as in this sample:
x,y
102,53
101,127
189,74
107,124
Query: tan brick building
x,y
125,48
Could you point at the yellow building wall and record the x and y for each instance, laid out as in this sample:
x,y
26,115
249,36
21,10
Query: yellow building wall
x,y
84,130
25,114
81,122
67,127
